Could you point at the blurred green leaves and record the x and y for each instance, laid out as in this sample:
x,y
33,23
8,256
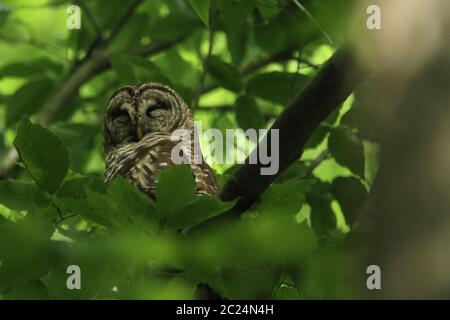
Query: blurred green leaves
x,y
26,252
170,200
27,99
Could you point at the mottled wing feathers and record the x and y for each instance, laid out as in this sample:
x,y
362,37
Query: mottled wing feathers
x,y
141,162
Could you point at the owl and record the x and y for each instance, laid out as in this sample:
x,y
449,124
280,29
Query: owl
x,y
139,135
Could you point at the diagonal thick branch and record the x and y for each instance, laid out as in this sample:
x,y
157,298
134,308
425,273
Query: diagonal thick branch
x,y
331,86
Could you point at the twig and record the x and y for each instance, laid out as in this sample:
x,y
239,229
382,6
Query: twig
x,y
98,32
316,162
202,80
91,18
99,42
67,217
122,21
309,15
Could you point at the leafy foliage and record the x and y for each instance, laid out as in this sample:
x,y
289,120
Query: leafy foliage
x,y
55,210
49,166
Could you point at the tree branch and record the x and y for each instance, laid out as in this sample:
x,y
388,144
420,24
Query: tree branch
x,y
331,86
99,42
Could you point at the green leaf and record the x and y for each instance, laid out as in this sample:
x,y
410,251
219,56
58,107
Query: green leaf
x,y
351,194
323,219
201,8
285,198
226,74
347,149
248,114
137,206
43,154
197,211
74,187
234,13
120,206
21,195
99,208
28,99
175,188
238,46
278,87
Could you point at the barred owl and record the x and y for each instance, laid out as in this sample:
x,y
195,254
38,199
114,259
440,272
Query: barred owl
x,y
138,137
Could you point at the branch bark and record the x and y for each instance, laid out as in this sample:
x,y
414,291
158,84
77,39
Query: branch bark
x,y
331,86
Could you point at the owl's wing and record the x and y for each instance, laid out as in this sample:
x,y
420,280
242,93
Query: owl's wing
x,y
141,164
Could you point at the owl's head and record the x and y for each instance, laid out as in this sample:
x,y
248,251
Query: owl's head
x,y
136,111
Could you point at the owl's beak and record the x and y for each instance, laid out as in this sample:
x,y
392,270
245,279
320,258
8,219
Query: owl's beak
x,y
140,133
